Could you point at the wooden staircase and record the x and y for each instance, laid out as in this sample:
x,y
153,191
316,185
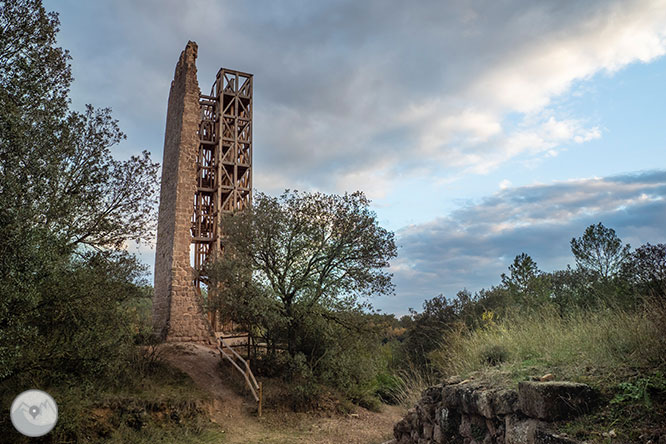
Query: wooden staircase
x,y
227,351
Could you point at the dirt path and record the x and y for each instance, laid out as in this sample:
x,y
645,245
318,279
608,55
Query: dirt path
x,y
236,414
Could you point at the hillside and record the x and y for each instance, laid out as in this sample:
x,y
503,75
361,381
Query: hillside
x,y
235,414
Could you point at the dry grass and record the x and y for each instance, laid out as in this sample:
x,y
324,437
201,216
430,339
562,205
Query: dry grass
x,y
410,385
606,343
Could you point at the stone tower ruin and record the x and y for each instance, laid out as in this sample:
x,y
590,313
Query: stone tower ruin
x,y
206,172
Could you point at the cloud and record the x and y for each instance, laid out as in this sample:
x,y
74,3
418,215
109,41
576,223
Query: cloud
x,y
372,95
354,93
606,38
472,246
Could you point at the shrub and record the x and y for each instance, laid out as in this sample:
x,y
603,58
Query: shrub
x,y
640,389
387,386
304,395
368,401
494,354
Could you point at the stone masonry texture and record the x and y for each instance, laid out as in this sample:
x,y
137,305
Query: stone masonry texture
x,y
177,311
476,412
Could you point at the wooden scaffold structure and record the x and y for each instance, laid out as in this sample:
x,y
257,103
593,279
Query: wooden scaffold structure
x,y
224,165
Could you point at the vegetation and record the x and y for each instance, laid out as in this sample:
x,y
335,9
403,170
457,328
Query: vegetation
x,y
296,273
66,209
74,307
599,251
293,272
573,346
72,301
602,323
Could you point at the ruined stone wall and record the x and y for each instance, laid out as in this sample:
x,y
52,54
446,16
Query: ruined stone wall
x,y
177,311
471,412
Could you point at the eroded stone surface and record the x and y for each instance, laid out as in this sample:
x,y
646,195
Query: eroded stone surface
x,y
474,398
471,412
177,311
554,399
520,430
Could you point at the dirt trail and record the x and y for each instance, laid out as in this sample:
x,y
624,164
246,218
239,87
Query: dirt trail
x,y
237,414
202,365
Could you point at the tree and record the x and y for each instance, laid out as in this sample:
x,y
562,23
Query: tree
x,y
294,271
67,207
34,73
600,251
522,271
429,329
572,288
94,199
647,269
526,285
56,169
310,254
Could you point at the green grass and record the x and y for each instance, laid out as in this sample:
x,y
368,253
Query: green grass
x,y
409,385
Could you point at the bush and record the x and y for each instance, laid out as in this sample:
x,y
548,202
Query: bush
x,y
368,401
304,395
494,354
153,402
340,360
387,386
81,330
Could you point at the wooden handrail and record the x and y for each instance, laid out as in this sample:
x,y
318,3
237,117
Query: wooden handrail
x,y
244,335
247,372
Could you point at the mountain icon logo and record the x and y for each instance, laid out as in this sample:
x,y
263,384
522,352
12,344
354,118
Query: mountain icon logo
x,y
34,413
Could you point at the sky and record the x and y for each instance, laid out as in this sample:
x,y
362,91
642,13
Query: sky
x,y
479,129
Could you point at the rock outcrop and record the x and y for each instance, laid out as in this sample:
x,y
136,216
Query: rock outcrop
x,y
474,412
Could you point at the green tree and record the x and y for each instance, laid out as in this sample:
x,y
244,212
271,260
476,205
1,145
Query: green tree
x,y
467,307
301,256
527,286
521,272
571,288
647,269
429,328
600,251
67,208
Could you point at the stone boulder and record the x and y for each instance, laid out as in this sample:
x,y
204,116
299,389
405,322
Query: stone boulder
x,y
475,399
474,412
554,400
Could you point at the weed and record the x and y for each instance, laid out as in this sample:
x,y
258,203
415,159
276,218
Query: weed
x,y
410,385
640,389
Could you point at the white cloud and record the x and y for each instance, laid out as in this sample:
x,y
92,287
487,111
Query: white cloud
x,y
620,33
474,244
354,92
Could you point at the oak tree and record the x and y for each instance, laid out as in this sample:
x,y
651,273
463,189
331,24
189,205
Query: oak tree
x,y
67,208
302,255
